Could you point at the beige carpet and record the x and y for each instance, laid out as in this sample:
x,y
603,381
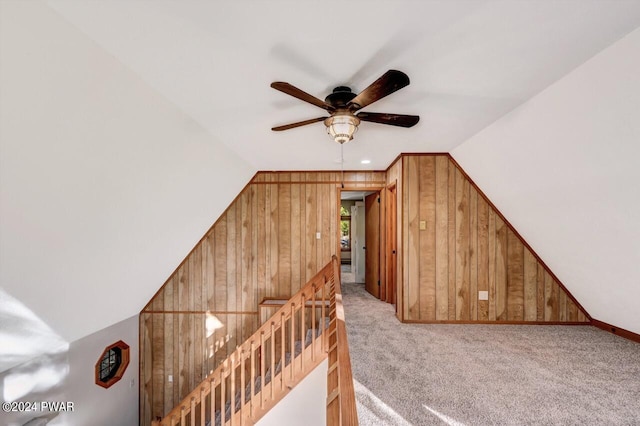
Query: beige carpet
x,y
409,374
346,275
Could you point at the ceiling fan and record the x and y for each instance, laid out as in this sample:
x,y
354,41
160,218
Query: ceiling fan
x,y
342,105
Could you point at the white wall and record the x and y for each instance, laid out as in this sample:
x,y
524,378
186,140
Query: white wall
x,y
306,403
105,186
69,376
358,241
563,168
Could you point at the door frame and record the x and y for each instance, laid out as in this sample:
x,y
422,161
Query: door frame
x,y
381,190
373,235
391,258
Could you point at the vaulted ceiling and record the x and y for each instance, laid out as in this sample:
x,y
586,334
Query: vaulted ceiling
x,y
128,127
470,62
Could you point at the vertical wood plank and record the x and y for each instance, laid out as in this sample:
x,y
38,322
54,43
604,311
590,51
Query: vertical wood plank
x,y
412,253
427,259
562,302
501,269
492,265
551,299
253,253
530,286
515,277
146,367
572,311
302,235
310,249
332,223
195,278
268,287
442,237
296,230
167,341
540,294
232,251
273,281
462,247
246,293
483,257
220,264
473,254
157,364
261,250
210,282
451,252
320,200
284,240
581,316
176,341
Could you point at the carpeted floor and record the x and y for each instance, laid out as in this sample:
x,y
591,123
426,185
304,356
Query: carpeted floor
x,y
346,275
415,374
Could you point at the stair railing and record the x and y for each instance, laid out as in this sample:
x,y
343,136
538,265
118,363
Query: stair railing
x,y
272,361
341,398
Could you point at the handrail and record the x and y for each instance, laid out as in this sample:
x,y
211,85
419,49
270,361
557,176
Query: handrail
x,y
231,390
341,397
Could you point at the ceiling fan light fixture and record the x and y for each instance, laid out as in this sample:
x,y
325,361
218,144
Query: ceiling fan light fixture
x,y
342,127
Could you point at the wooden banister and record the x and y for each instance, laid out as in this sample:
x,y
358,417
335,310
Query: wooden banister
x,y
262,363
341,397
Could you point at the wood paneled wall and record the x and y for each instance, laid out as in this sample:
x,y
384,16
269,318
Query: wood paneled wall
x,y
465,247
264,245
395,177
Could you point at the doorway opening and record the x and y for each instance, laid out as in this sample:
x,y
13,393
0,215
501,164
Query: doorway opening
x,y
361,234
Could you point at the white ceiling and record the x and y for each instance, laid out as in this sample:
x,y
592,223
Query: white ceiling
x,y
470,62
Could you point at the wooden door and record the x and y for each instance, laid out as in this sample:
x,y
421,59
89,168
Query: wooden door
x,y
372,249
391,248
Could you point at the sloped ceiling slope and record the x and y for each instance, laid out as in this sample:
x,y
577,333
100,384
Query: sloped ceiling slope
x,y
564,168
469,61
105,185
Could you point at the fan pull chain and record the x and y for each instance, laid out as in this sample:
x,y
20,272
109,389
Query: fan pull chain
x,y
342,164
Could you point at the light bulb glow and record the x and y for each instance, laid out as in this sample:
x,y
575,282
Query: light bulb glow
x,y
342,127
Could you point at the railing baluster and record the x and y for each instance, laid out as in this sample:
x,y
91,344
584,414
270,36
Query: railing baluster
x,y
293,338
303,331
203,406
282,349
223,404
243,386
262,372
212,400
193,411
232,379
313,322
323,315
253,375
272,364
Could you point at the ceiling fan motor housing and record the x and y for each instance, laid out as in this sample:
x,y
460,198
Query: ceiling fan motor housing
x,y
340,97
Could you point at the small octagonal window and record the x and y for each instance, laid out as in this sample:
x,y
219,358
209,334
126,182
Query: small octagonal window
x,y
112,364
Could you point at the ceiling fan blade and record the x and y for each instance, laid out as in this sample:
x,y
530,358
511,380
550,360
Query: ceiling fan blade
x,y
390,82
298,124
297,93
400,120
